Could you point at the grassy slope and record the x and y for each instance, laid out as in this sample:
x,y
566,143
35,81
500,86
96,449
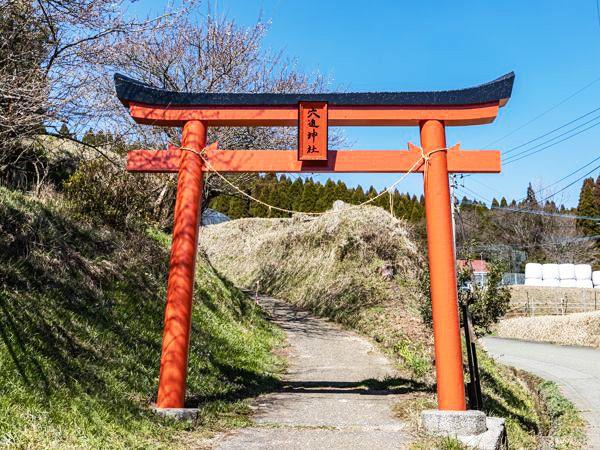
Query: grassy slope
x,y
333,265
81,311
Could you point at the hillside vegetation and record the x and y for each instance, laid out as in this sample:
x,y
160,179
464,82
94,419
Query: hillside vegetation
x,y
362,268
571,329
81,309
358,266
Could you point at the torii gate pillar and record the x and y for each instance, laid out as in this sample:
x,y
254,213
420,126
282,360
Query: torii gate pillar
x,y
442,273
182,268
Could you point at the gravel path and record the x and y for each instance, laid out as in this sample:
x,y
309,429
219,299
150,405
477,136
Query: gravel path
x,y
324,403
575,369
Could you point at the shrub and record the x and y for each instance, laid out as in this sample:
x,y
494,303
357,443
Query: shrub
x,y
109,194
487,303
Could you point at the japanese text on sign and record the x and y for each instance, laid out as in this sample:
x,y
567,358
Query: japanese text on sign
x,y
312,131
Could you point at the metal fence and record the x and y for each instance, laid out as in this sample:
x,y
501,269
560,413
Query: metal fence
x,y
513,278
554,301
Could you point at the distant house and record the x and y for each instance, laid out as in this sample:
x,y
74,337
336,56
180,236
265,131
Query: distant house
x,y
212,217
479,267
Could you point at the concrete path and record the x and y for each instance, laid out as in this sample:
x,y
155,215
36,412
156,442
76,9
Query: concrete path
x,y
324,403
575,369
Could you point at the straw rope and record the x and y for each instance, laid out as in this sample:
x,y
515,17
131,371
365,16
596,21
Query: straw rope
x,y
389,190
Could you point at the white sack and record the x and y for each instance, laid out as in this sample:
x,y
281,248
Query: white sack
x,y
583,272
533,270
553,282
596,277
550,272
585,284
533,282
567,272
568,283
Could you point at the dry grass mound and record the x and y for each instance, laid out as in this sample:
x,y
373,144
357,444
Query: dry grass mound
x,y
571,329
360,267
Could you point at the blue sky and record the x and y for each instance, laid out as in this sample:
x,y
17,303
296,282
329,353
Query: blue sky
x,y
552,46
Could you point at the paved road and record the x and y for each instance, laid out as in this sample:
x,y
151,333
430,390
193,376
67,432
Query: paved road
x,y
323,404
575,369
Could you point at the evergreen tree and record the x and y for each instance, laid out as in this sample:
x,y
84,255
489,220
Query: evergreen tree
x,y
327,195
285,200
220,203
238,208
530,199
358,196
371,192
64,131
588,206
257,209
342,192
503,202
309,196
295,194
89,137
276,198
495,203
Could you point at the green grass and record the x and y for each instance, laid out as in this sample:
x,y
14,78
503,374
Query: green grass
x,y
81,311
508,396
537,414
567,427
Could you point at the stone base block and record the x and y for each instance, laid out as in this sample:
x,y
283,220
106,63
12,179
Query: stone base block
x,y
463,423
493,439
472,428
176,413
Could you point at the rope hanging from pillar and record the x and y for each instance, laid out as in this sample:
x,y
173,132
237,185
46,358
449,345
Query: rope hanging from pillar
x,y
424,159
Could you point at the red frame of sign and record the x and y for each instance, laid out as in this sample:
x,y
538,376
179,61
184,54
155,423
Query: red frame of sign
x,y
314,113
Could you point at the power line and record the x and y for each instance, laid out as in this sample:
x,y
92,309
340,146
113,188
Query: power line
x,y
512,149
463,187
552,108
551,195
539,212
565,177
572,173
545,213
572,183
528,152
517,157
544,187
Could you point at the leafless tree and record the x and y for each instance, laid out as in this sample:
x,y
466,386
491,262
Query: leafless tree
x,y
211,55
86,41
50,51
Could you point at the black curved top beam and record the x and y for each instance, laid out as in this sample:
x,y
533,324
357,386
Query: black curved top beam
x,y
499,90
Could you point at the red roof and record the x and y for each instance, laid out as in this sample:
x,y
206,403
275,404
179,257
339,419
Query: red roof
x,y
478,265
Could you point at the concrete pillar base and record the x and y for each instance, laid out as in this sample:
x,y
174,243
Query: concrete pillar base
x,y
472,428
176,413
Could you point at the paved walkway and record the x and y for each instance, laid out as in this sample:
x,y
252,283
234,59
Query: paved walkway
x,y
324,403
575,369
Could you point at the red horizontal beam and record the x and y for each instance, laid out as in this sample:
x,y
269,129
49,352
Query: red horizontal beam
x,y
274,116
366,161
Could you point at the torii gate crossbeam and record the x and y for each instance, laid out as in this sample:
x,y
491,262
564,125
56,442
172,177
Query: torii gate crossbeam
x,y
431,111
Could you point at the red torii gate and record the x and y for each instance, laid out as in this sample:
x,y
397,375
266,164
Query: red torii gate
x,y
431,111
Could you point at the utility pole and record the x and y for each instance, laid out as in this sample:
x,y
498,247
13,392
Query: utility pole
x,y
452,208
